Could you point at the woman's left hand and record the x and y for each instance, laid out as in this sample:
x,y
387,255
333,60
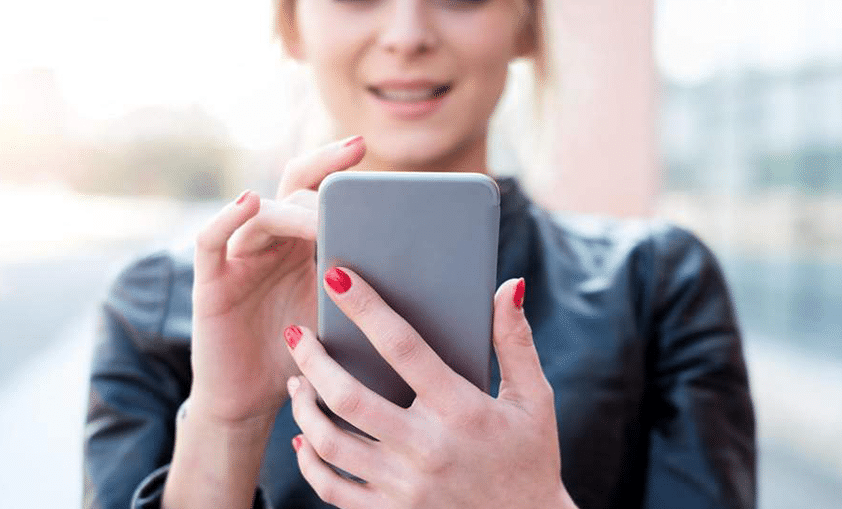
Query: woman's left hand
x,y
455,446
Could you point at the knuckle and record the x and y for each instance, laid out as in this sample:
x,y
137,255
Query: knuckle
x,y
434,459
473,418
402,345
430,453
290,174
297,196
545,395
547,387
520,334
347,402
205,239
415,496
307,358
327,447
364,305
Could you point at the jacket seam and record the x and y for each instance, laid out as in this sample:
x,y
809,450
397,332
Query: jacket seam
x,y
168,298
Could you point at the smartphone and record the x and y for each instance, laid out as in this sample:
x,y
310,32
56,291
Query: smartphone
x,y
427,243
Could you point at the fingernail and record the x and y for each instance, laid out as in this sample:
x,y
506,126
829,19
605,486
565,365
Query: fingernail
x,y
296,443
520,289
293,335
352,141
243,197
292,385
337,280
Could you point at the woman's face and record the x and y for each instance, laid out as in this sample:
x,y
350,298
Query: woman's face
x,y
354,45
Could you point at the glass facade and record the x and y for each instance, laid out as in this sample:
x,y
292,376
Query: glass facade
x,y
753,163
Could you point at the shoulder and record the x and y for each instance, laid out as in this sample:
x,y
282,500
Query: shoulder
x,y
150,294
654,241
595,245
658,261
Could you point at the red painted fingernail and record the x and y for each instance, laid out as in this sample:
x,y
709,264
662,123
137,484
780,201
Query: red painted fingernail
x,y
338,280
293,335
243,197
353,141
296,443
520,289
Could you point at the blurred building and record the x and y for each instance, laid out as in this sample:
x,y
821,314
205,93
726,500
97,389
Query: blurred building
x,y
161,121
161,150
753,164
756,130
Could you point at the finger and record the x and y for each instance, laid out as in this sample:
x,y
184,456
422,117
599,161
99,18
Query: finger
x,y
521,375
343,394
276,219
308,170
305,197
433,381
348,451
328,485
211,241
296,216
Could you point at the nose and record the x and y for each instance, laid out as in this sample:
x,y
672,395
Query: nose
x,y
407,28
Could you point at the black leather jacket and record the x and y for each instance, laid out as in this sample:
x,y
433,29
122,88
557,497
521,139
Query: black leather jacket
x,y
632,320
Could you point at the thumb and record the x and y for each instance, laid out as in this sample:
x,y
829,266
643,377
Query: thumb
x,y
520,367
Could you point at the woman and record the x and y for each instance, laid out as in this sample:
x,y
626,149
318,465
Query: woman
x,y
617,350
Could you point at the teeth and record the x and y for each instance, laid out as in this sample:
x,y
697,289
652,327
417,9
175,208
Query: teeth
x,y
409,95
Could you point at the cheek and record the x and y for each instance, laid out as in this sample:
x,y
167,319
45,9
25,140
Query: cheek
x,y
329,41
333,63
488,73
490,54
483,50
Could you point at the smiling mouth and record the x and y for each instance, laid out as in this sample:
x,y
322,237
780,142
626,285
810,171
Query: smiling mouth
x,y
434,94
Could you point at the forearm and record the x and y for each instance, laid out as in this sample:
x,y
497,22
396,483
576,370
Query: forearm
x,y
215,465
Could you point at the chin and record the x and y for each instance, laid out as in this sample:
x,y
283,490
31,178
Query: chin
x,y
415,150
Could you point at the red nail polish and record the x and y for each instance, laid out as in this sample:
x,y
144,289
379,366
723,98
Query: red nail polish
x,y
293,335
520,289
296,443
353,141
243,197
337,280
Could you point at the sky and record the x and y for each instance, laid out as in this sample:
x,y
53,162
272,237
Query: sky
x,y
112,57
695,39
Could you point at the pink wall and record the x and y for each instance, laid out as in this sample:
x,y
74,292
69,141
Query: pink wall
x,y
605,161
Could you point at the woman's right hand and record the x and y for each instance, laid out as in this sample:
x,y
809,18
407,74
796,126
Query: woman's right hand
x,y
255,274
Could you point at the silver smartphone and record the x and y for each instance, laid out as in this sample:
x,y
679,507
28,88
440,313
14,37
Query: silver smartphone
x,y
427,243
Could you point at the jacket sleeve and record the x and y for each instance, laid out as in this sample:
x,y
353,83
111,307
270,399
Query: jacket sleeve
x,y
139,378
702,449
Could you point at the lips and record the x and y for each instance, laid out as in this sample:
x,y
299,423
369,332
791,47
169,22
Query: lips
x,y
410,93
410,103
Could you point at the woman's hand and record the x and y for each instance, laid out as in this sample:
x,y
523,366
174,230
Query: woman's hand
x,y
254,273
455,446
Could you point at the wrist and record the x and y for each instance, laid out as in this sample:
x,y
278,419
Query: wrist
x,y
229,414
215,462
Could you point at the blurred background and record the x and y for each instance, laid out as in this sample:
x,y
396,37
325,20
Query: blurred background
x,y
122,130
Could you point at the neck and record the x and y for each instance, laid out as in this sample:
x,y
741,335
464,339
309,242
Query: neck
x,y
469,157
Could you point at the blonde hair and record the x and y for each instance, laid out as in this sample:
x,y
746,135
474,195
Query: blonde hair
x,y
521,123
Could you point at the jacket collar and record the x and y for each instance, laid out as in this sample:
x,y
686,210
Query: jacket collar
x,y
512,197
514,248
